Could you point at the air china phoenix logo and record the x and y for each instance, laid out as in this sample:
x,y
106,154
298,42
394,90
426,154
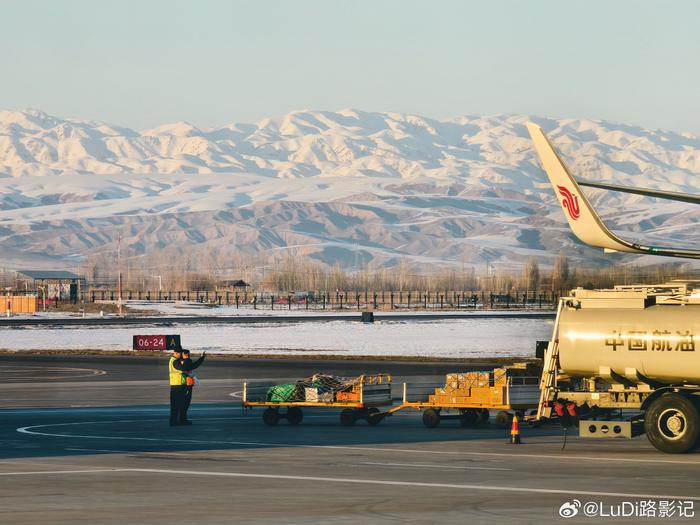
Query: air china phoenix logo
x,y
570,202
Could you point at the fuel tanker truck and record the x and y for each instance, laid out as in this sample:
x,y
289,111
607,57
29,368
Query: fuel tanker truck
x,y
623,361
626,361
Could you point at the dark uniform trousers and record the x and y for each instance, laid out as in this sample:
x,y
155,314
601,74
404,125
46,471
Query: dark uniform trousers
x,y
178,403
188,399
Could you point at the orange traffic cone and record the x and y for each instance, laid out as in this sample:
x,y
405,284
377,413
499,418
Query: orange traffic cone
x,y
515,431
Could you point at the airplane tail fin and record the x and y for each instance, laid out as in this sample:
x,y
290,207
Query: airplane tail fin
x,y
582,217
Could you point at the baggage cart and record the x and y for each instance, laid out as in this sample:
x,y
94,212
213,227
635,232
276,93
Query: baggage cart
x,y
358,397
470,396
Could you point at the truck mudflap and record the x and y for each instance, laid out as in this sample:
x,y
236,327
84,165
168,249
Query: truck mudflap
x,y
611,429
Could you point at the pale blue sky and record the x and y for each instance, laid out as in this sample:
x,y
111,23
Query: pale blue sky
x,y
142,63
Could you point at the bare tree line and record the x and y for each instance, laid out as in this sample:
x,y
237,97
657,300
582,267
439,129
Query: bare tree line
x,y
197,271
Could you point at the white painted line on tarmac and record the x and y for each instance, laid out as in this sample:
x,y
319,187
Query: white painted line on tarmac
x,y
519,456
97,450
495,488
35,385
84,409
13,370
28,430
360,481
138,452
426,465
35,472
605,459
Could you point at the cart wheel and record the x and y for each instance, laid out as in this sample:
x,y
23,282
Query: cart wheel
x,y
469,418
431,418
271,416
295,415
348,417
484,416
534,423
503,419
373,417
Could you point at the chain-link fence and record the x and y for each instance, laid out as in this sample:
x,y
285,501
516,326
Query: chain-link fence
x,y
345,300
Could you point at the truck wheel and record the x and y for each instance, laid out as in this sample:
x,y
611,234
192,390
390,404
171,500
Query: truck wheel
x,y
696,402
295,415
672,424
271,416
503,419
373,417
469,418
485,415
431,418
348,417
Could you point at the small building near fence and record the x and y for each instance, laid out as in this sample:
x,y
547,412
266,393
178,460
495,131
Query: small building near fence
x,y
236,284
51,284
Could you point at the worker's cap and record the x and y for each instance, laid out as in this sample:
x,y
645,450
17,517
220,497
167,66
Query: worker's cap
x,y
185,351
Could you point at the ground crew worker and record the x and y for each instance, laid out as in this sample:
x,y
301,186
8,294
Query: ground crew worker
x,y
177,372
177,386
189,379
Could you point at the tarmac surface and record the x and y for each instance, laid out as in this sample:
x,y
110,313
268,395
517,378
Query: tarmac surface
x,y
86,440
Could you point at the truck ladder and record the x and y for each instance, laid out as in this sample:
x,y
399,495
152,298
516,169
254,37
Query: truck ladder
x,y
550,368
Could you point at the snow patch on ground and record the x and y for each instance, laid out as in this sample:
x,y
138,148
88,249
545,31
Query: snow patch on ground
x,y
448,338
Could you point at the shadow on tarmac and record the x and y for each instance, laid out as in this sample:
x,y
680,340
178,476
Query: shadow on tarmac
x,y
35,433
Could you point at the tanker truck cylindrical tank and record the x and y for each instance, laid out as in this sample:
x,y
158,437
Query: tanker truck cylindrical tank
x,y
662,342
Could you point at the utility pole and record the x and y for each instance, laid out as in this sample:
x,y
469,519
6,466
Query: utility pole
x,y
119,270
81,292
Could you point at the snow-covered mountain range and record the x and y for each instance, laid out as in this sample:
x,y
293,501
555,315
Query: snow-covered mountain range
x,y
348,187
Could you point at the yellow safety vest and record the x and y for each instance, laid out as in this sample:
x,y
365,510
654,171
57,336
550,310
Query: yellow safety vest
x,y
177,378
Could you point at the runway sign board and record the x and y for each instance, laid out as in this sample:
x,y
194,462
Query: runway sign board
x,y
156,342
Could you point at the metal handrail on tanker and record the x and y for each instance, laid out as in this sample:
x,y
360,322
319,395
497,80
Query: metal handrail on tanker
x,y
550,368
